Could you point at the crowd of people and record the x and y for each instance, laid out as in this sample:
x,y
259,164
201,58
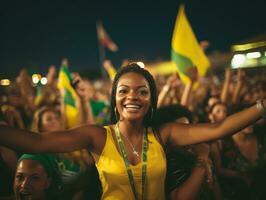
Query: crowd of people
x,y
136,135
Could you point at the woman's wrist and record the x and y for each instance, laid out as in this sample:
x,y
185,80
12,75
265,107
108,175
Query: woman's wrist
x,y
260,105
201,163
205,164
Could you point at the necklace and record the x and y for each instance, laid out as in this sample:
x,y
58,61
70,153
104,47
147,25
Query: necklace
x,y
135,152
127,164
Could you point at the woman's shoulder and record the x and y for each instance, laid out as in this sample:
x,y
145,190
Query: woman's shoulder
x,y
165,129
97,135
91,128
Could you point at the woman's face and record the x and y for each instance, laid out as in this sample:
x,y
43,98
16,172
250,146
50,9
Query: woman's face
x,y
50,121
133,97
218,113
31,181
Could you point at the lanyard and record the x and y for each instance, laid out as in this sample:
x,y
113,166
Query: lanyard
x,y
127,164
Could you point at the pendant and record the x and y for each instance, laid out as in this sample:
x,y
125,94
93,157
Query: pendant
x,y
135,153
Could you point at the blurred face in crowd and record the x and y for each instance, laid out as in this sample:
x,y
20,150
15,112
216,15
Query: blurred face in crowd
x,y
133,96
218,113
90,91
14,98
50,121
31,181
212,101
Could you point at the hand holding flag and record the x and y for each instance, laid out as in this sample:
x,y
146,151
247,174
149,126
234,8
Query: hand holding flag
x,y
109,68
69,95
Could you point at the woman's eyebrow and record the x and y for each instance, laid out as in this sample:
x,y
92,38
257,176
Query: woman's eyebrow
x,y
138,86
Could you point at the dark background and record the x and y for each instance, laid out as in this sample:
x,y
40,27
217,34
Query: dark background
x,y
35,34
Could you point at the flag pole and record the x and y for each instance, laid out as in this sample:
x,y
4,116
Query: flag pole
x,y
102,54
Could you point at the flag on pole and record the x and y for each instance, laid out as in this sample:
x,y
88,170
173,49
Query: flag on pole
x,y
104,38
39,94
186,51
69,96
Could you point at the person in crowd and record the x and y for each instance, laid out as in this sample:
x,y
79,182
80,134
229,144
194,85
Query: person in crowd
x,y
72,166
14,109
237,158
26,88
169,92
100,109
189,169
36,178
221,147
8,162
48,94
130,159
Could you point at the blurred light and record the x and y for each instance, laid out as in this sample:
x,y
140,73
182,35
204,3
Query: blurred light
x,y
98,85
253,55
238,60
36,78
244,47
141,64
43,80
5,82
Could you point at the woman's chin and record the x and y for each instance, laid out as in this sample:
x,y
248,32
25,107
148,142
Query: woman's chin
x,y
25,196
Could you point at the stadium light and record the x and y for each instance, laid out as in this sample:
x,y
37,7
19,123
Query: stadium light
x,y
36,78
43,80
5,82
253,55
238,60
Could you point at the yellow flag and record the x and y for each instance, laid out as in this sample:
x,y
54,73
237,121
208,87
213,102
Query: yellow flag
x,y
64,82
186,51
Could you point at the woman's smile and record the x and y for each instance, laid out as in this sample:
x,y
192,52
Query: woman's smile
x,y
133,96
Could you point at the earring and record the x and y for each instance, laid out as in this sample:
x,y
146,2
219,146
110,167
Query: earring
x,y
116,116
151,113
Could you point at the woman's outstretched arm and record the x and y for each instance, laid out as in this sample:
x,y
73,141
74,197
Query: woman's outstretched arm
x,y
89,136
185,134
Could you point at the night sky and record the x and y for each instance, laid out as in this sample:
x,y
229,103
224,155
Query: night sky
x,y
35,34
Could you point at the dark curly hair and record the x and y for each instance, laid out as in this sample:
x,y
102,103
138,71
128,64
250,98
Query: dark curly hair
x,y
171,113
135,68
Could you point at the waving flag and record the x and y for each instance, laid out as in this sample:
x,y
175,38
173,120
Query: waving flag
x,y
64,82
186,51
104,38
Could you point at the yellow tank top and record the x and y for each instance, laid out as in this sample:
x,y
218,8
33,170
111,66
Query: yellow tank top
x,y
114,178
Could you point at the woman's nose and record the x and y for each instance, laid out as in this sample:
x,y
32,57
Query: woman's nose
x,y
132,94
25,183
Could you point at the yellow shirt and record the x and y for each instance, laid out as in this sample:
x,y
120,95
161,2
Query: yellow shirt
x,y
114,177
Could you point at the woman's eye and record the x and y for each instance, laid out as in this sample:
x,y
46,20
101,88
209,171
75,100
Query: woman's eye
x,y
143,92
121,91
35,178
19,178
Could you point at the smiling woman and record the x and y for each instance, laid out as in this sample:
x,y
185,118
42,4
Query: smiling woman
x,y
137,83
129,153
132,97
35,177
